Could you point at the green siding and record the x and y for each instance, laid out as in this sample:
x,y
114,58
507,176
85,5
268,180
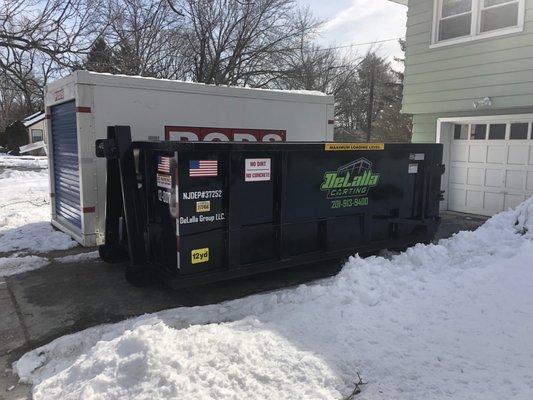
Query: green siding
x,y
451,78
425,125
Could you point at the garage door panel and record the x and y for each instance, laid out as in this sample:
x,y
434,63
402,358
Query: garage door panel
x,y
474,199
517,155
488,174
529,183
493,202
512,200
458,175
477,154
459,153
457,199
494,178
515,179
496,154
476,176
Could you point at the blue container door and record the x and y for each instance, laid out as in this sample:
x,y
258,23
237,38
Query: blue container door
x,y
65,162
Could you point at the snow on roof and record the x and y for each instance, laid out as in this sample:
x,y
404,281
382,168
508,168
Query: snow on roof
x,y
33,115
33,119
304,92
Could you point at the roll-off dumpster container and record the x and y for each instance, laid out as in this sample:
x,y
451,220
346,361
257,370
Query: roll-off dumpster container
x,y
198,212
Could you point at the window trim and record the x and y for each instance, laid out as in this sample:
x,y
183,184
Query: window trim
x,y
475,24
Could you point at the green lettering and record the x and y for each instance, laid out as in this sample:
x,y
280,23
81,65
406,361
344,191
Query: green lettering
x,y
338,182
328,180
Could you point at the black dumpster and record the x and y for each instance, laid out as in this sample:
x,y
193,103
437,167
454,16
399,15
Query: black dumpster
x,y
198,212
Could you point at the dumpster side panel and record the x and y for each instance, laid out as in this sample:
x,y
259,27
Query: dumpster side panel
x,y
217,211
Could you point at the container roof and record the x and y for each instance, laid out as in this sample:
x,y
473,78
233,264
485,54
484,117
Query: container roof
x,y
82,77
144,78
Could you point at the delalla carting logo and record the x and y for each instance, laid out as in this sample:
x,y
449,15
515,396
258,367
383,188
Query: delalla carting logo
x,y
350,180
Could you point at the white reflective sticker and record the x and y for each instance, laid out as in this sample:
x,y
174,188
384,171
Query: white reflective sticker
x,y
257,169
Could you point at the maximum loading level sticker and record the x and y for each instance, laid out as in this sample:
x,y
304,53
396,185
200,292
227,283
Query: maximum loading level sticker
x,y
353,146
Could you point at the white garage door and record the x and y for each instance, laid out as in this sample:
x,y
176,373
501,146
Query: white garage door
x,y
491,166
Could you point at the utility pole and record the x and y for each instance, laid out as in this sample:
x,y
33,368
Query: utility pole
x,y
370,108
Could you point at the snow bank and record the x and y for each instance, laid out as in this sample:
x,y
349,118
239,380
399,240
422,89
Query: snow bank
x,y
446,321
33,162
38,237
25,213
16,265
25,217
81,257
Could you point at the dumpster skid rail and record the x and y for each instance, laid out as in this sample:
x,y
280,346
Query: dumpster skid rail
x,y
192,213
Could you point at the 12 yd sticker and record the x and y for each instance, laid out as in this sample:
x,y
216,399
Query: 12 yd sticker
x,y
200,255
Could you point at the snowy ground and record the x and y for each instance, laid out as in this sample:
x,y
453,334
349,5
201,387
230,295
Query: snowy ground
x,y
35,162
446,321
25,230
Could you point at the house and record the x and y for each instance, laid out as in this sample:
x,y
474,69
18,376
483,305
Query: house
x,y
469,85
36,126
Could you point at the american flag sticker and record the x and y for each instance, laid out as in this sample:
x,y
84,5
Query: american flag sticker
x,y
201,168
163,164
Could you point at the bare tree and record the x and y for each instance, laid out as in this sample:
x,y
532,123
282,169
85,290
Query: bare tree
x,y
39,39
147,38
238,42
54,29
11,102
311,67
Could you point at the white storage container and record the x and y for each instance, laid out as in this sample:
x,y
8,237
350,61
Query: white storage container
x,y
80,107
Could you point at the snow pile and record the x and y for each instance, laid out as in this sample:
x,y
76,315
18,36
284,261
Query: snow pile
x,y
524,221
37,237
25,218
446,321
16,265
81,257
31,162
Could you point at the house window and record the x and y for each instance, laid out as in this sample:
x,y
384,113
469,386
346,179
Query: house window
x,y
457,21
36,135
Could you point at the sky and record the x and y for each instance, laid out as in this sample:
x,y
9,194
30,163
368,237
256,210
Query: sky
x,y
360,21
